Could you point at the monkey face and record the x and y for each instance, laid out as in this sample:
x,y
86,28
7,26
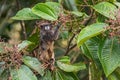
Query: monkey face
x,y
46,27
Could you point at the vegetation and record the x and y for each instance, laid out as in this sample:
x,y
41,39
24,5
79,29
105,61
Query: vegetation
x,y
88,46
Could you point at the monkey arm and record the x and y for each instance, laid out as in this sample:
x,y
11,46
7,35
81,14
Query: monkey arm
x,y
56,31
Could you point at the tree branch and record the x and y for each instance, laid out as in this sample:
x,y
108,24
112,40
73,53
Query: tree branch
x,y
24,29
69,44
21,22
85,23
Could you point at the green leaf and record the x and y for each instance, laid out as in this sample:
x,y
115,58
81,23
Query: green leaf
x,y
115,75
44,11
24,44
23,73
107,9
86,51
2,63
109,55
34,64
1,68
4,75
95,72
65,59
61,75
25,14
70,5
77,13
90,31
64,35
90,49
35,39
69,67
58,76
47,76
117,4
55,6
73,75
101,18
117,72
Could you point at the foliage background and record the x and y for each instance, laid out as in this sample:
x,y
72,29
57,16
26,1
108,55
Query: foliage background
x,y
14,32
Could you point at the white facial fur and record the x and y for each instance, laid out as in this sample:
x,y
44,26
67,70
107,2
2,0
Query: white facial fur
x,y
47,27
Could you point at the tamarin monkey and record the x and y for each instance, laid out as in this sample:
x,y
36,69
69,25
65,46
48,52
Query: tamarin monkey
x,y
48,34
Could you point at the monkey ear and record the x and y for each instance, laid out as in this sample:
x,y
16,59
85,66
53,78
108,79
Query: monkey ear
x,y
37,23
51,25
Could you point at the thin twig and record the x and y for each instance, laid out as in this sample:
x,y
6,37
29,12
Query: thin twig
x,y
3,2
24,29
83,5
86,2
21,22
72,46
85,24
69,44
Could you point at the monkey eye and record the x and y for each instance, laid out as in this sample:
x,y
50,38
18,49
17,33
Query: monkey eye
x,y
47,27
